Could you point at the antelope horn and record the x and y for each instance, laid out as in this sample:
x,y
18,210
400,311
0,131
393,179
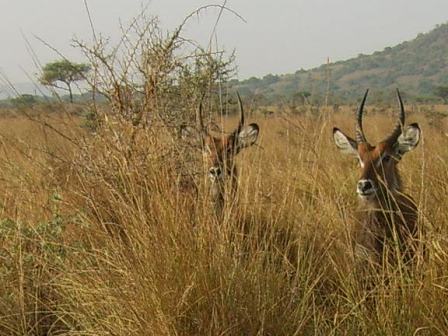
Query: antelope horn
x,y
241,122
400,122
199,117
360,137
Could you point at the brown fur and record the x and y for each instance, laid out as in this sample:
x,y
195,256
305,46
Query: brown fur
x,y
386,214
220,152
389,215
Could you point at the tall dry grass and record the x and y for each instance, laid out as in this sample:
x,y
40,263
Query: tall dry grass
x,y
97,239
106,229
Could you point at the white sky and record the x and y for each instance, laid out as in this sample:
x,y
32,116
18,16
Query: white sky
x,y
279,36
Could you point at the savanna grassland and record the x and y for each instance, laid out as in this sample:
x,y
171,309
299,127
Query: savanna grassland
x,y
96,237
106,227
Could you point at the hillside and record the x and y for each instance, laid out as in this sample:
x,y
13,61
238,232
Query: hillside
x,y
416,66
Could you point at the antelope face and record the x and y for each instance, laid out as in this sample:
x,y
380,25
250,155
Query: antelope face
x,y
219,152
378,163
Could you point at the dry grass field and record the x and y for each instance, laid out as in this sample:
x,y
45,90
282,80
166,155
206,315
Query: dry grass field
x,y
96,239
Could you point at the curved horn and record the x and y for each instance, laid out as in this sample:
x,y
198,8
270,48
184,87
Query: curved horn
x,y
241,122
360,137
199,120
400,122
200,123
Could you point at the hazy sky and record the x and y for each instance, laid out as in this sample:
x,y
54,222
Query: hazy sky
x,y
278,36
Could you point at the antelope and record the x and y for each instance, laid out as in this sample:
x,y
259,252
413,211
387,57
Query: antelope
x,y
219,154
387,214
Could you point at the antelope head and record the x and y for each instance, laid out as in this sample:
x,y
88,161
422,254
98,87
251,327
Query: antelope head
x,y
219,152
378,163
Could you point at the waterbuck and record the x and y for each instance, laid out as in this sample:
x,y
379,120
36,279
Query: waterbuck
x,y
386,213
219,153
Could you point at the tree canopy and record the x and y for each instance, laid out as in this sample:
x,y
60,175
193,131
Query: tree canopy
x,y
63,71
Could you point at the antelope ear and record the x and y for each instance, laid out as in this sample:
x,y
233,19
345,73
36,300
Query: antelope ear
x,y
191,136
408,140
345,144
247,136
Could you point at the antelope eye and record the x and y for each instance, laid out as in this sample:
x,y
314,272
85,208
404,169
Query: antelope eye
x,y
383,160
387,159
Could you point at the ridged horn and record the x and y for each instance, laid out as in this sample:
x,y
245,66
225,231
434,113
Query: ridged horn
x,y
199,117
400,122
241,122
360,137
203,132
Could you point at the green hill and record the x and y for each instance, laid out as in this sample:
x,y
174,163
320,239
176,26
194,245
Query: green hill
x,y
417,67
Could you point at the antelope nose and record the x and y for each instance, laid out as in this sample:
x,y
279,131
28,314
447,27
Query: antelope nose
x,y
365,187
215,171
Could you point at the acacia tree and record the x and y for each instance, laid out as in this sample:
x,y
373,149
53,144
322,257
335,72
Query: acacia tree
x,y
63,71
